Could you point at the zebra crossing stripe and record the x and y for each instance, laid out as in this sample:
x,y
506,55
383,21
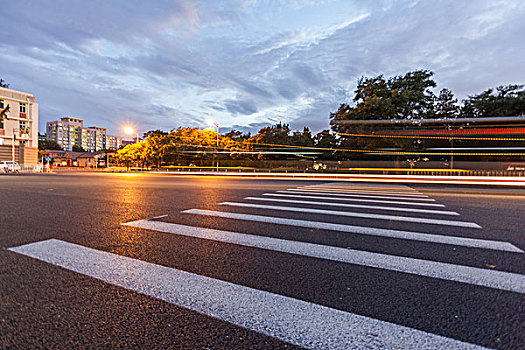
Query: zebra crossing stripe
x,y
464,274
298,322
358,215
346,205
414,236
355,195
366,186
359,188
353,199
385,193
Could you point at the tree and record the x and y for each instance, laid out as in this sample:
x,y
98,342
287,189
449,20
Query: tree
x,y
274,134
505,100
3,83
325,139
154,133
49,144
401,97
302,138
237,135
77,148
446,105
412,96
3,115
268,137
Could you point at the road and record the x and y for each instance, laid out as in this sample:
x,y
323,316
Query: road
x,y
148,261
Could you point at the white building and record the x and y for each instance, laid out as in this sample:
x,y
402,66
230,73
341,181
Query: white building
x,y
19,130
70,131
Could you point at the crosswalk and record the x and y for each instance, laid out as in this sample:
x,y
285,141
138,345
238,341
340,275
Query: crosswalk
x,y
395,212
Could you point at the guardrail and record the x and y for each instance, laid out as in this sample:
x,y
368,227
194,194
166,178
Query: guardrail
x,y
347,171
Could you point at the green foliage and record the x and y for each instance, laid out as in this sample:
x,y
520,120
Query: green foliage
x,y
324,139
3,115
401,97
274,134
302,138
77,148
505,100
446,105
49,144
154,133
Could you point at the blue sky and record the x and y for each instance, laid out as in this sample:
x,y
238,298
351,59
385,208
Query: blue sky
x,y
245,63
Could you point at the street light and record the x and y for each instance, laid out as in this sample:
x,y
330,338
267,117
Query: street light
x,y
214,123
128,130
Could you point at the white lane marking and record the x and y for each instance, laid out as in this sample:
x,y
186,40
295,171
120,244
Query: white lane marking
x,y
356,195
352,199
383,193
295,321
346,205
471,275
371,188
356,215
159,217
414,236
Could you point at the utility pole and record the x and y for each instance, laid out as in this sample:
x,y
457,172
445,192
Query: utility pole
x,y
13,149
217,126
451,153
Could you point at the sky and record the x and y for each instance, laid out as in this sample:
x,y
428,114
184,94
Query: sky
x,y
245,64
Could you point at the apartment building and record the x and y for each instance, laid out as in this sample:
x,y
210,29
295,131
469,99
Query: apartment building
x,y
113,142
19,128
70,131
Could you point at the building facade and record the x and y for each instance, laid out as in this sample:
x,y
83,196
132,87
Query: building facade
x,y
69,132
19,129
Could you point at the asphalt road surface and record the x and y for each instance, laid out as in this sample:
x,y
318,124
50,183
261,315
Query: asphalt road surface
x,y
146,261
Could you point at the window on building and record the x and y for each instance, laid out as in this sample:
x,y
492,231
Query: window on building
x,y
22,125
22,108
1,104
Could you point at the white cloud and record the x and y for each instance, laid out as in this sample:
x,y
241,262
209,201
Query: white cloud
x,y
167,63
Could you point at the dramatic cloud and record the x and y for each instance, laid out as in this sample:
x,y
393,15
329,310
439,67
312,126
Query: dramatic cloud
x,y
246,64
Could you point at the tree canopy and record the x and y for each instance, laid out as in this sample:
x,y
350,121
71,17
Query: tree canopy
x,y
49,144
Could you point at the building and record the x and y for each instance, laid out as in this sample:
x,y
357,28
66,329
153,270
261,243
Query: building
x,y
19,129
76,159
69,132
113,142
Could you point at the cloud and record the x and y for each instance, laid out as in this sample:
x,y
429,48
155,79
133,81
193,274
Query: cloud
x,y
166,63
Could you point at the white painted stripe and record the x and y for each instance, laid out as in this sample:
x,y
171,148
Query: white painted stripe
x,y
362,190
371,188
458,273
357,195
383,193
360,184
295,321
365,187
356,215
371,231
346,205
352,199
160,216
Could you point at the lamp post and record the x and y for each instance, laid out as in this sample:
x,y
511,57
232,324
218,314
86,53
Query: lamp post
x,y
13,150
128,130
217,126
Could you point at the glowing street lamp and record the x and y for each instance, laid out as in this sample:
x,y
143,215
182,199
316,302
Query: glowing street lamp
x,y
128,130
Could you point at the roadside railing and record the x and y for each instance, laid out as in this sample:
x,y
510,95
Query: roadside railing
x,y
349,171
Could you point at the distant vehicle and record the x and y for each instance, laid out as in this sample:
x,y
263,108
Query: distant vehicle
x,y
9,167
